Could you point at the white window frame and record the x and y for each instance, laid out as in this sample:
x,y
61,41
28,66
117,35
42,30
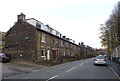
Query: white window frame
x,y
43,39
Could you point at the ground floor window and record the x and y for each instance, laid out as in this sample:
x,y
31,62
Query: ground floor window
x,y
43,52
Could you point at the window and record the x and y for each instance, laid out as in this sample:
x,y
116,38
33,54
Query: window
x,y
43,37
43,52
61,43
26,38
54,41
38,25
50,29
64,53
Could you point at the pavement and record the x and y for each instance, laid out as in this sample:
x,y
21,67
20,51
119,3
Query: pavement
x,y
115,67
17,68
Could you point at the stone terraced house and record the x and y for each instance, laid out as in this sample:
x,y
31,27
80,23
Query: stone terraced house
x,y
31,40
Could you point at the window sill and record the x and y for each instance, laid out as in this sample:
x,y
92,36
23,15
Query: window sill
x,y
43,41
43,56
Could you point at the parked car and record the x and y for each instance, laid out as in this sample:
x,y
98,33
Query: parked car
x,y
100,60
5,57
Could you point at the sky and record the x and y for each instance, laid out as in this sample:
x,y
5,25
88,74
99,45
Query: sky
x,y
76,19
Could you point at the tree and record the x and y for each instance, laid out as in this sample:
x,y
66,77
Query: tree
x,y
110,31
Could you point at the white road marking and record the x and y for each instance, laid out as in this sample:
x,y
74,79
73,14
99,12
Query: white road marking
x,y
71,69
35,70
85,62
52,77
81,63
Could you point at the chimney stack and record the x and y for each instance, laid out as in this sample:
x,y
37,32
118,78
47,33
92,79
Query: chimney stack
x,y
21,17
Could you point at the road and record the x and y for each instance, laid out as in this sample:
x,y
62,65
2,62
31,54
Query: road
x,y
82,69
12,69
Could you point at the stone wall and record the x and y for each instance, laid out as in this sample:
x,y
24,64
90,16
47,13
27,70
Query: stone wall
x,y
20,42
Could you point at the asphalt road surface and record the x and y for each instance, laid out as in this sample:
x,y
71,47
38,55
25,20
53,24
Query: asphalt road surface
x,y
12,69
82,69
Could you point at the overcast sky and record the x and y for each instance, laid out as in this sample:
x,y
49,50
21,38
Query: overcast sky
x,y
76,19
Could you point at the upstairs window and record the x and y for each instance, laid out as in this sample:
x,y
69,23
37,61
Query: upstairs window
x,y
43,37
53,41
61,43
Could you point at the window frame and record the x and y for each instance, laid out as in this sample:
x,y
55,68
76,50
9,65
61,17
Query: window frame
x,y
43,38
43,52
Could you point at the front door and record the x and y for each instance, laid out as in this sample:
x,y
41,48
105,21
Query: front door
x,y
48,54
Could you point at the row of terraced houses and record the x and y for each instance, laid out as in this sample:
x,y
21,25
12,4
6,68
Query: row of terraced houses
x,y
31,40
